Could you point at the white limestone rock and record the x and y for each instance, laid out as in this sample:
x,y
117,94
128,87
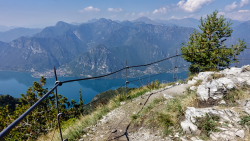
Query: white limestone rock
x,y
240,133
202,93
245,68
189,128
214,88
203,75
222,102
191,82
225,115
193,88
166,96
232,71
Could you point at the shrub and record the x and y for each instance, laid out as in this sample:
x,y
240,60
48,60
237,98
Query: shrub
x,y
245,120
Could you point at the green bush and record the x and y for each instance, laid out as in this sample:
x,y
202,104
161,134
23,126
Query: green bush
x,y
245,120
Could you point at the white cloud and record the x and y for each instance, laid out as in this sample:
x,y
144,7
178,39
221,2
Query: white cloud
x,y
126,15
143,14
243,2
132,14
231,7
173,17
234,5
115,10
221,13
162,10
192,5
90,9
190,16
241,15
113,16
241,11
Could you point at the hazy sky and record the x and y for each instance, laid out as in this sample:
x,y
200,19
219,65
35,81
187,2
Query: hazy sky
x,y
35,13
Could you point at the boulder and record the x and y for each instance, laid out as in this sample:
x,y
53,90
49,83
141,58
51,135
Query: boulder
x,y
232,71
202,93
214,89
225,115
189,128
245,68
240,133
203,75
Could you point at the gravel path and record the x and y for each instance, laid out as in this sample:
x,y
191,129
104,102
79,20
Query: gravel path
x,y
116,124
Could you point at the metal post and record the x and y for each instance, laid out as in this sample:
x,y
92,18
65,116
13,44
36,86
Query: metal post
x,y
126,80
58,114
174,77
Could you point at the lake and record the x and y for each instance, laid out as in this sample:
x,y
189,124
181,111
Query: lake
x,y
16,83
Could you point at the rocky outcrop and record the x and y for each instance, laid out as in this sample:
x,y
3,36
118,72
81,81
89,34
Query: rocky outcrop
x,y
215,88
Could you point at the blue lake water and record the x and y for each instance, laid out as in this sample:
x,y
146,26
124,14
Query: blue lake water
x,y
16,83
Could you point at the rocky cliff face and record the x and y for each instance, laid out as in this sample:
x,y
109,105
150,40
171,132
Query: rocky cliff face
x,y
226,95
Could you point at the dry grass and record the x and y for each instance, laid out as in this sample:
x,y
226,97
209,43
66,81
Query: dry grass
x,y
215,76
236,94
166,116
73,129
198,82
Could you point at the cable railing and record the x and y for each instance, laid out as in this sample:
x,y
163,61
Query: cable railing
x,y
59,83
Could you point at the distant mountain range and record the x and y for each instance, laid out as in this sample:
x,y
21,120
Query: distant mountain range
x,y
15,33
101,46
4,28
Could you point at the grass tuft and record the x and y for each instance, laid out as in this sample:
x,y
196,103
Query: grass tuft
x,y
236,94
245,120
198,82
207,124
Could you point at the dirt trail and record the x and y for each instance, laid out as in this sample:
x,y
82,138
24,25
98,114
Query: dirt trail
x,y
116,124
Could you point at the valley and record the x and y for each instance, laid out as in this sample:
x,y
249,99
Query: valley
x,y
100,47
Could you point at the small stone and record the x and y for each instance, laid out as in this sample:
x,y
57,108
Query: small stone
x,y
240,133
230,125
176,135
120,130
86,129
102,136
84,136
222,102
141,128
87,134
81,139
122,103
167,96
139,103
114,130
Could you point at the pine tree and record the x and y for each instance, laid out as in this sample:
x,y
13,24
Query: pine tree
x,y
211,43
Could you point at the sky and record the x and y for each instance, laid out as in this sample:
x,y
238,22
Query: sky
x,y
39,13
